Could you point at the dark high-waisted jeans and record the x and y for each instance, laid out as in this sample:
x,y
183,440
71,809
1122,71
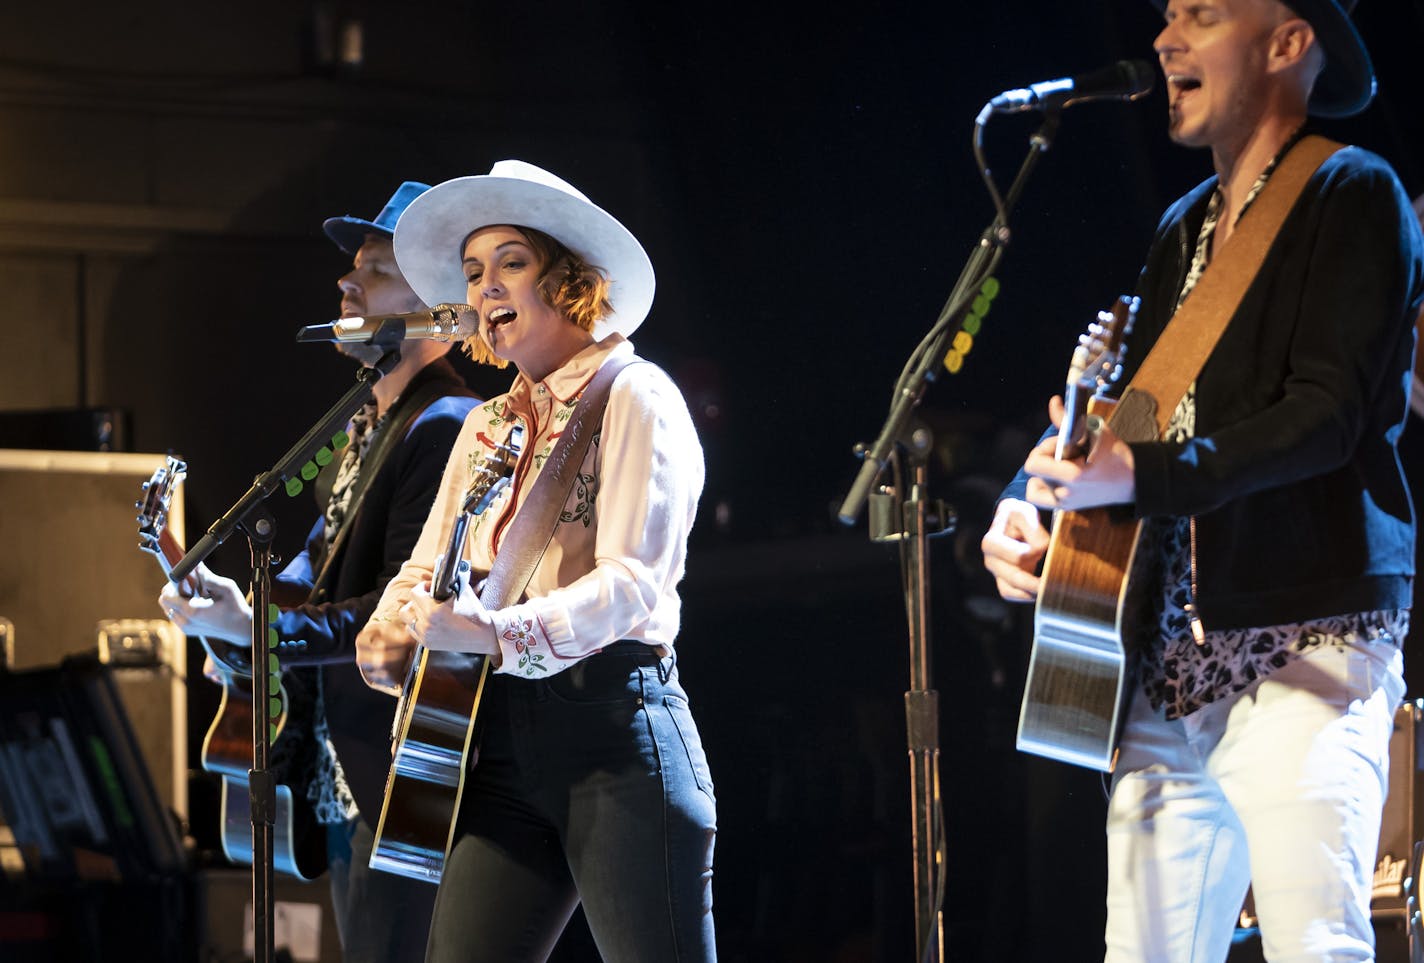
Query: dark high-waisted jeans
x,y
590,786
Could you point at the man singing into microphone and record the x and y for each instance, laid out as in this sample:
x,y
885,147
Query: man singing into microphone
x,y
1255,748
382,490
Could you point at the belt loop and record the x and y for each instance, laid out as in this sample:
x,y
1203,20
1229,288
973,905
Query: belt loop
x,y
664,674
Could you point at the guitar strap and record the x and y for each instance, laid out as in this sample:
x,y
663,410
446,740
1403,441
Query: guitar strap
x,y
533,528
1187,341
396,428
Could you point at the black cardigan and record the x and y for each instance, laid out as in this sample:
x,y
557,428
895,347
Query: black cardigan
x,y
1301,504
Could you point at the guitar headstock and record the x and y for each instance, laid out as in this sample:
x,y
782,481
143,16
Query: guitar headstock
x,y
153,506
490,477
1097,360
493,473
1096,364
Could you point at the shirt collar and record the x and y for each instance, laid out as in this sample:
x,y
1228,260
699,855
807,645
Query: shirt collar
x,y
567,382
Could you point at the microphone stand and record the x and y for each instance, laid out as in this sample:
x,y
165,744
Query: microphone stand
x,y
250,516
912,524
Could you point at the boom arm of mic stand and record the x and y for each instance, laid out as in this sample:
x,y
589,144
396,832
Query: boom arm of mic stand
x,y
288,465
911,388
907,397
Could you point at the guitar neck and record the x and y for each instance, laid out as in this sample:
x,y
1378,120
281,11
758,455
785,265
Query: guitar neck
x,y
443,583
169,553
1073,430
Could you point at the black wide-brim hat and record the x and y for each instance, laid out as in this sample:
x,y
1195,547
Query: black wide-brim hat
x,y
1347,84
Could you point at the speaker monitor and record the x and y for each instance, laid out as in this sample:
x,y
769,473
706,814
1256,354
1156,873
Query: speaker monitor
x,y
1401,828
71,571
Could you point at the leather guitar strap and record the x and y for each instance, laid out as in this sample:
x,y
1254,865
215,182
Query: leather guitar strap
x,y
533,528
1189,337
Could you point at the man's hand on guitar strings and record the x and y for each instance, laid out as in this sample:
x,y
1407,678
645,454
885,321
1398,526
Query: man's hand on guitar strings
x,y
1104,477
221,613
1013,547
459,624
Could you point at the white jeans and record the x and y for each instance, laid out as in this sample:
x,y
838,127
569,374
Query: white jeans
x,y
1281,787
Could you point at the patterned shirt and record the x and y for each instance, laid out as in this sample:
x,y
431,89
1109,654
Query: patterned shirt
x,y
327,790
1184,671
365,426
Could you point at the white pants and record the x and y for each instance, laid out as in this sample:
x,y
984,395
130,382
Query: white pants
x,y
1281,787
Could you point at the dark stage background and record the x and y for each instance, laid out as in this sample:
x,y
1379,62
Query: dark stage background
x,y
802,178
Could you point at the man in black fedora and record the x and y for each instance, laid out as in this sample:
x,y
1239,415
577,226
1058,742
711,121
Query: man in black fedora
x,y
381,489
1255,749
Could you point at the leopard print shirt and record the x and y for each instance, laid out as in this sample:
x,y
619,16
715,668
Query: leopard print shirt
x,y
327,789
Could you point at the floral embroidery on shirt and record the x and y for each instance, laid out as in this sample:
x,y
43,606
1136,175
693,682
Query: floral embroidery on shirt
x,y
498,411
585,492
583,496
521,635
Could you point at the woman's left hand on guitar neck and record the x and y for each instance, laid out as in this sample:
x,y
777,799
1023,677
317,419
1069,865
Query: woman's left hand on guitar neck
x,y
1104,477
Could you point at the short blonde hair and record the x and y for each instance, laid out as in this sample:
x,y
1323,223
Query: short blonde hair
x,y
570,285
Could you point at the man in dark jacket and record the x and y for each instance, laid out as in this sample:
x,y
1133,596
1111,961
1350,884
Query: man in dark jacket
x,y
1255,748
381,492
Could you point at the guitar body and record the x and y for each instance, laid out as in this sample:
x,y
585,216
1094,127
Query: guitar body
x,y
298,845
435,729
1079,668
1077,675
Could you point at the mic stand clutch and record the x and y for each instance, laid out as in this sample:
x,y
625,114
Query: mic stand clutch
x,y
921,701
250,516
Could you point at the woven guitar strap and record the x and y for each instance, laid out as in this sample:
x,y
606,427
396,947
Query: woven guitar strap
x,y
1179,354
532,529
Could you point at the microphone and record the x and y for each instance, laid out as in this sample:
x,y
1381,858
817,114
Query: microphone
x,y
1124,80
444,322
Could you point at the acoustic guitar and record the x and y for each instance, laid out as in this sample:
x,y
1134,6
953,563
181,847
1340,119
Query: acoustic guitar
x,y
1077,674
299,847
435,722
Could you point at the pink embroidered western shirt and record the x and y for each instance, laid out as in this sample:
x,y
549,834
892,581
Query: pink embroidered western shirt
x,y
618,551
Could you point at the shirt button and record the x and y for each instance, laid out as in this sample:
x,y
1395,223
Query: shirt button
x,y
543,390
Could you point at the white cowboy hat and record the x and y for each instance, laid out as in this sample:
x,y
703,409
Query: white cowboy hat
x,y
432,229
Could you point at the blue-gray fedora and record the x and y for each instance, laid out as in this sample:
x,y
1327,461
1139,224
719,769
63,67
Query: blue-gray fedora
x,y
349,232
